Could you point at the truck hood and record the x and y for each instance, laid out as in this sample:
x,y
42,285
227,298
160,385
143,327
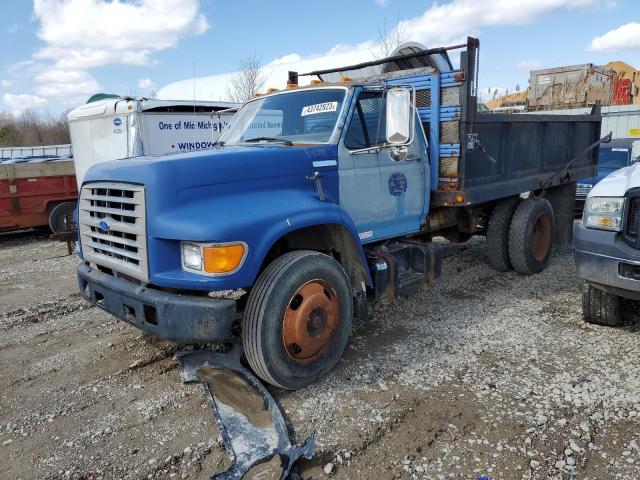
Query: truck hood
x,y
219,166
618,183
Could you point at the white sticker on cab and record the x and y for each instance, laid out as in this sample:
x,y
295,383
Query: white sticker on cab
x,y
319,108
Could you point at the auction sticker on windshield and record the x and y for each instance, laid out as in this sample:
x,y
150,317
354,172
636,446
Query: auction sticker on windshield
x,y
319,108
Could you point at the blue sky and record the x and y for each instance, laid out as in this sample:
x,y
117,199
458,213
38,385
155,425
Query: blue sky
x,y
56,53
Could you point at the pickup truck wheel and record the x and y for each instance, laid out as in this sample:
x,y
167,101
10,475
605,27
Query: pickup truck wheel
x,y
61,217
298,319
600,307
531,236
496,249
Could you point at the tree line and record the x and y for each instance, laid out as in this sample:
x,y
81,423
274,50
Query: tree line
x,y
31,128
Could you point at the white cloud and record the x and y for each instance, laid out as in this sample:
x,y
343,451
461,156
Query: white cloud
x,y
452,22
528,64
147,84
79,35
440,24
6,83
625,37
292,57
70,86
19,103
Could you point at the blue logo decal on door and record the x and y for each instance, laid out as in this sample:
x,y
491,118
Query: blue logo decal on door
x,y
397,184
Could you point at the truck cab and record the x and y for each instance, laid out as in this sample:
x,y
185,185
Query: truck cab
x,y
607,246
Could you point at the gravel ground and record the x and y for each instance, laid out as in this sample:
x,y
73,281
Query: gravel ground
x,y
488,373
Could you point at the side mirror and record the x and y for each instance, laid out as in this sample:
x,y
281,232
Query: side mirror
x,y
399,116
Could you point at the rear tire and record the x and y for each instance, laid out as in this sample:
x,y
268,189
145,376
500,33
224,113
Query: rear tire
x,y
298,319
61,217
600,307
496,249
531,236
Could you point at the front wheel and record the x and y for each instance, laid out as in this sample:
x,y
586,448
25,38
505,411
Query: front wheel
x,y
600,307
298,319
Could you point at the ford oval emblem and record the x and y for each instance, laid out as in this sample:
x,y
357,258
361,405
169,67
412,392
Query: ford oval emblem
x,y
104,226
117,121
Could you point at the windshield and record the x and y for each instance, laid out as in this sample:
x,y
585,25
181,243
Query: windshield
x,y
306,116
613,158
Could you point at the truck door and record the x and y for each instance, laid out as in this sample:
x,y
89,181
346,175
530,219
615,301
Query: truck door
x,y
383,196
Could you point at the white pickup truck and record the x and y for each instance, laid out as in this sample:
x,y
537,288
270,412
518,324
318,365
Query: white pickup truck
x,y
607,246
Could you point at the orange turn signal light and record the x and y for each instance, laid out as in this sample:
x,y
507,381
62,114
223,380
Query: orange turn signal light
x,y
222,258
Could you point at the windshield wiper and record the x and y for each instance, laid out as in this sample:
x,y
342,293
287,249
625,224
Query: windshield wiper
x,y
288,143
218,142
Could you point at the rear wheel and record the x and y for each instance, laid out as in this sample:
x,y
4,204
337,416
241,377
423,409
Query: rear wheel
x,y
61,217
298,319
531,236
496,248
600,307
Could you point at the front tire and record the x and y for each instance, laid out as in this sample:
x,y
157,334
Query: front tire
x,y
600,307
298,319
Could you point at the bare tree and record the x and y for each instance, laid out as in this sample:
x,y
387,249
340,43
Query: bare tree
x,y
389,39
31,128
249,79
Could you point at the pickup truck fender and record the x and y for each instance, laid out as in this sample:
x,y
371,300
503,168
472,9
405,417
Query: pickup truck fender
x,y
261,219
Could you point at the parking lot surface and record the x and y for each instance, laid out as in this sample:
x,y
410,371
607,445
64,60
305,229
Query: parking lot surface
x,y
488,373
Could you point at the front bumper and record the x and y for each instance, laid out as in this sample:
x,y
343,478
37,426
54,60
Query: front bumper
x,y
172,316
603,259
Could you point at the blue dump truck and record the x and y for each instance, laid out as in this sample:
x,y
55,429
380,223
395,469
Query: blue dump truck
x,y
319,200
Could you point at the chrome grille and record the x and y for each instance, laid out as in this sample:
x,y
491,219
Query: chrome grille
x,y
632,224
113,227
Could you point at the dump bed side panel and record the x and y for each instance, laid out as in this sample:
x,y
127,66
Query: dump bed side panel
x,y
511,154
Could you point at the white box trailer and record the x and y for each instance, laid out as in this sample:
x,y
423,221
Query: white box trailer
x,y
126,127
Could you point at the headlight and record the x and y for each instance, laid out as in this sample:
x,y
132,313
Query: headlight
x,y
191,256
604,213
214,259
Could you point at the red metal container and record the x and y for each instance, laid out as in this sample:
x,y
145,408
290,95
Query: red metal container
x,y
622,91
31,191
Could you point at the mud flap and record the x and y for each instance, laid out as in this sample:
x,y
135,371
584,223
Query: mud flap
x,y
253,429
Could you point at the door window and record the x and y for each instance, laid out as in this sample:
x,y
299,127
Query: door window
x,y
367,127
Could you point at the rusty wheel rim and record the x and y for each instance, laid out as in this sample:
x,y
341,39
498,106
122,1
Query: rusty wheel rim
x,y
310,321
541,237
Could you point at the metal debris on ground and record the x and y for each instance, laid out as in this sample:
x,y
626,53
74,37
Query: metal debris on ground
x,y
252,425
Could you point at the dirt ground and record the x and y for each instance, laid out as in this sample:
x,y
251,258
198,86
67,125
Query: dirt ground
x,y
487,374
